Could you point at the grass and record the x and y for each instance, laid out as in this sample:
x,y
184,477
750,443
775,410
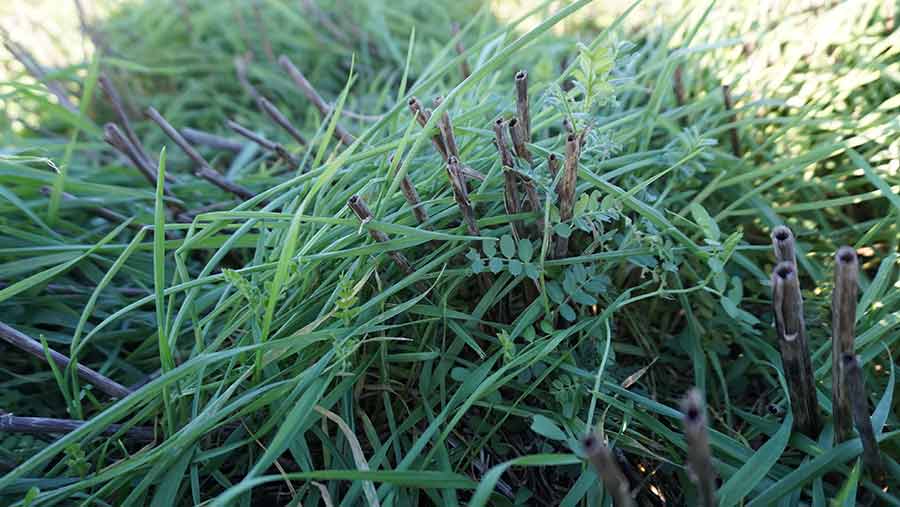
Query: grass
x,y
282,355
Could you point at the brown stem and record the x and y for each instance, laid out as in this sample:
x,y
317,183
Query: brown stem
x,y
264,143
422,117
118,105
698,454
361,210
522,104
784,245
679,86
324,109
37,71
533,199
604,462
412,197
460,49
58,288
855,384
280,119
90,32
516,132
240,69
104,213
510,183
446,127
732,132
263,31
843,330
213,141
791,330
34,347
203,168
325,21
511,199
115,138
461,195
506,158
552,165
43,425
566,190
470,173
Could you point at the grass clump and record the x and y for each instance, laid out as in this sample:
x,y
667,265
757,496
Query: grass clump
x,y
434,306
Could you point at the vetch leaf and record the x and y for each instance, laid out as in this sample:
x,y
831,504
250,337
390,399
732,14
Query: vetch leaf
x,y
583,298
567,312
706,223
507,246
555,292
489,247
526,250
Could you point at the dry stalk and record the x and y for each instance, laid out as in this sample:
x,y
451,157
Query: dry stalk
x,y
35,348
203,168
47,426
461,195
422,116
37,72
552,165
566,190
608,471
698,454
791,329
313,96
115,99
843,330
446,127
281,120
732,132
517,134
522,108
855,384
212,140
264,143
783,244
359,207
460,49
